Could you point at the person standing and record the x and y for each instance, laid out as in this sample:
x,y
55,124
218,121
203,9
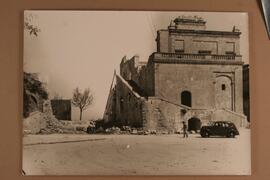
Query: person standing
x,y
185,130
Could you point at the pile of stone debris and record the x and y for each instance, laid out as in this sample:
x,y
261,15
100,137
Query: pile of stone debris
x,y
46,123
52,125
42,122
129,130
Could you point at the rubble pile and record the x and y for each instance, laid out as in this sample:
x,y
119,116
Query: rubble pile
x,y
45,122
113,130
128,130
52,124
34,123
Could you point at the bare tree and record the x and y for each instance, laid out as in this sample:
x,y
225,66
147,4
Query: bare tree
x,y
82,100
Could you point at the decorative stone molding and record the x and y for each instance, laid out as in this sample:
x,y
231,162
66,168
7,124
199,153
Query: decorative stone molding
x,y
181,61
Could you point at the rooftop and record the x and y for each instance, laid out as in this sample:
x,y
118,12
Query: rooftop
x,y
189,19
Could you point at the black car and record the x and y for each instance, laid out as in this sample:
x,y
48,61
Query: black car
x,y
220,128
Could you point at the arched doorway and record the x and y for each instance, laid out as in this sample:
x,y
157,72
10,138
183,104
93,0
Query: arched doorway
x,y
186,98
194,124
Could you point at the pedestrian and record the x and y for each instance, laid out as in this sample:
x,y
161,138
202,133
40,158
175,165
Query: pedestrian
x,y
185,130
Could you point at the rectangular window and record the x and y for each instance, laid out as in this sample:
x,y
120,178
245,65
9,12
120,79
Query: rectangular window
x,y
179,46
204,52
223,87
230,48
230,53
205,47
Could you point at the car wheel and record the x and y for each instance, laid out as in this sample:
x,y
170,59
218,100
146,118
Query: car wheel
x,y
231,134
205,134
202,134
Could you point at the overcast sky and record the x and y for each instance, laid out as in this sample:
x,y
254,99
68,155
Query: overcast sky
x,y
82,48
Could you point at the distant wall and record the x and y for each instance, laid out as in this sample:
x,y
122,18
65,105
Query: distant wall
x,y
61,108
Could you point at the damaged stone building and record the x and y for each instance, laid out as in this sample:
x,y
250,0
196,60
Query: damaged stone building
x,y
195,76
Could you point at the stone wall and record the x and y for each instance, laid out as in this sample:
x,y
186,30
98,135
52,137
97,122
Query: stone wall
x,y
61,108
162,115
171,79
148,80
129,69
193,43
140,73
128,105
163,41
205,115
224,115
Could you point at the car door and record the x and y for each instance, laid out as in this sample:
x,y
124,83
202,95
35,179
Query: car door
x,y
223,129
226,129
216,128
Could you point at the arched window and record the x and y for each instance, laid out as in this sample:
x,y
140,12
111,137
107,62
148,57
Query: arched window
x,y
186,98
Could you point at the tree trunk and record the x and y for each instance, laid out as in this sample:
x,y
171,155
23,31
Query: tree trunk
x,y
80,114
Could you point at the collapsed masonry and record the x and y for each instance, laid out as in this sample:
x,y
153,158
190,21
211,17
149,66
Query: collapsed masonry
x,y
42,122
195,76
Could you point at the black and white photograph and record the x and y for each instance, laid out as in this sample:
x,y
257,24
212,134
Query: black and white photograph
x,y
136,93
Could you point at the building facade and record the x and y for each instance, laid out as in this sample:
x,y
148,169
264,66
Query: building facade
x,y
195,76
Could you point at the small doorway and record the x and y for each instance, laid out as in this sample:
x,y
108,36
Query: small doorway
x,y
194,124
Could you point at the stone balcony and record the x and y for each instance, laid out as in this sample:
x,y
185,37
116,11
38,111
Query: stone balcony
x,y
182,58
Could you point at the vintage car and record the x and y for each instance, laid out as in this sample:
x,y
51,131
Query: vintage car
x,y
219,128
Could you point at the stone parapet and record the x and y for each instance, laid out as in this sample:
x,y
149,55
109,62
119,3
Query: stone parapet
x,y
203,57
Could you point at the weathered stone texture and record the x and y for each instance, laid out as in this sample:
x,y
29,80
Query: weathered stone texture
x,y
192,43
162,115
203,83
128,105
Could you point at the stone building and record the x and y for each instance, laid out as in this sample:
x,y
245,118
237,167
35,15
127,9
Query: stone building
x,y
195,76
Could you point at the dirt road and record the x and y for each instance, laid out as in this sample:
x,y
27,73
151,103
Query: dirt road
x,y
135,155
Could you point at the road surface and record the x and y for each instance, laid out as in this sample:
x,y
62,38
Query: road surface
x,y
60,154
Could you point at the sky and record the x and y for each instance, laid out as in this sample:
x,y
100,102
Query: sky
x,y
83,48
